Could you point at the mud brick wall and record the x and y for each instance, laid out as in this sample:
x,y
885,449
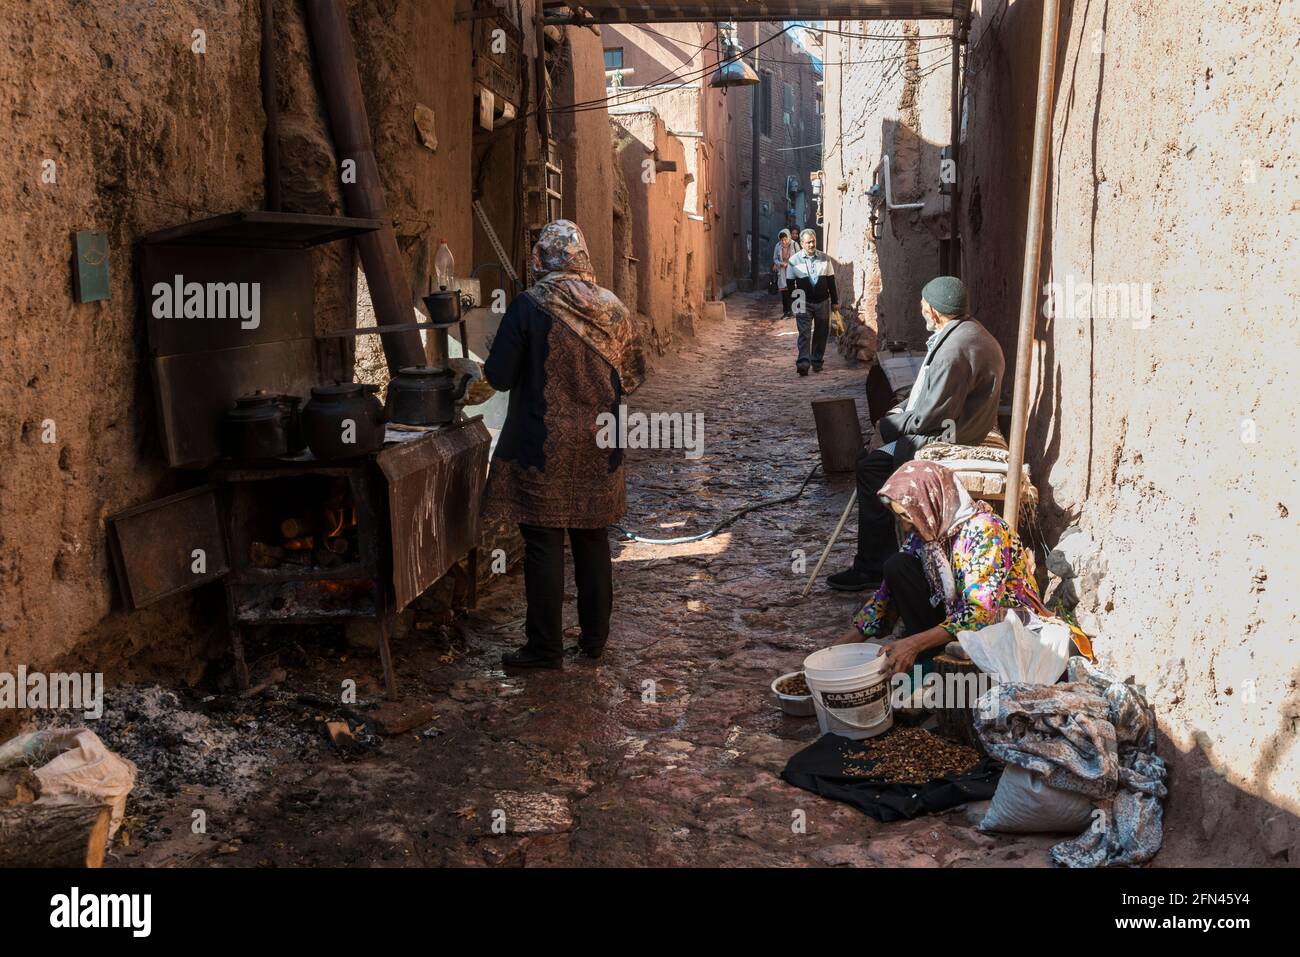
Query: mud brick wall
x,y
145,133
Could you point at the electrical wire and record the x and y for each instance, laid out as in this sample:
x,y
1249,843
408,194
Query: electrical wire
x,y
629,536
638,94
879,36
687,77
945,46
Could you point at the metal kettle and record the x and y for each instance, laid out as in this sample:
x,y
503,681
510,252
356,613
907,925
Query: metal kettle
x,y
343,420
425,395
256,428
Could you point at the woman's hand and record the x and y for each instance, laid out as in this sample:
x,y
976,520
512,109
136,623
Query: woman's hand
x,y
849,638
901,655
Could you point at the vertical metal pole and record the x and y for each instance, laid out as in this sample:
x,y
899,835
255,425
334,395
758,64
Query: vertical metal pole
x,y
954,195
754,253
1033,244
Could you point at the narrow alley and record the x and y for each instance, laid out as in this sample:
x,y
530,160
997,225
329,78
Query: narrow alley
x,y
590,772
909,381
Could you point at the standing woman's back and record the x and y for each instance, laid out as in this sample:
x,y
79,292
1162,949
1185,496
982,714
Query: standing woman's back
x,y
558,353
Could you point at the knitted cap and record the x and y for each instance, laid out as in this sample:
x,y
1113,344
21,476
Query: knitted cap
x,y
946,294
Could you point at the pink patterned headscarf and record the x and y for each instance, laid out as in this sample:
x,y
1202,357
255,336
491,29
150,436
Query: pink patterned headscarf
x,y
937,505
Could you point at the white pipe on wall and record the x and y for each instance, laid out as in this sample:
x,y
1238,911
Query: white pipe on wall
x,y
889,193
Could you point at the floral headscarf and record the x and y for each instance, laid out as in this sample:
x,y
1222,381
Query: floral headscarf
x,y
561,248
564,285
937,505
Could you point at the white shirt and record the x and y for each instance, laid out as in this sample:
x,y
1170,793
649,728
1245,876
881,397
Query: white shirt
x,y
808,267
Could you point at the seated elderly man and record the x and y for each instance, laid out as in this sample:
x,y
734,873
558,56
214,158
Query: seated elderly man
x,y
955,398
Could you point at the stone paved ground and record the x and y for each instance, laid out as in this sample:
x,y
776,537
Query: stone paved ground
x,y
592,773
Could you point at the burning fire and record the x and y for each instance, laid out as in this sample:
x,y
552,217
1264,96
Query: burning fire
x,y
337,519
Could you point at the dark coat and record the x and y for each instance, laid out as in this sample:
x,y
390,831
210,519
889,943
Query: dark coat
x,y
548,469
959,399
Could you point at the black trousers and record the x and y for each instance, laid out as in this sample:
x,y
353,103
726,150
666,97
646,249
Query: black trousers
x,y
544,586
876,538
814,325
910,593
786,300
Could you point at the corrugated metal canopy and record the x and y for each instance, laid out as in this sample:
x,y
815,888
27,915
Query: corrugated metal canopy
x,y
668,11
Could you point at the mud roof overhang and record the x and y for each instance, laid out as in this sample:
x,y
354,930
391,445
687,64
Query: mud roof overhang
x,y
681,11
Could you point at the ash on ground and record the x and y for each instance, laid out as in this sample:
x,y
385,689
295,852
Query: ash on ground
x,y
180,741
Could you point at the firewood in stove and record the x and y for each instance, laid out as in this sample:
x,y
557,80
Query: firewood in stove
x,y
53,835
338,545
327,559
263,555
304,544
294,528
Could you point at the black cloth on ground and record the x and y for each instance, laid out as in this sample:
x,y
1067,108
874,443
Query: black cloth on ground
x,y
819,768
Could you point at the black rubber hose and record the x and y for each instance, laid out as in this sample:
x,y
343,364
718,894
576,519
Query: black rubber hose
x,y
629,536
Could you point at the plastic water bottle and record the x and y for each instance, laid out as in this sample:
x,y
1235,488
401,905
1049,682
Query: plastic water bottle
x,y
444,265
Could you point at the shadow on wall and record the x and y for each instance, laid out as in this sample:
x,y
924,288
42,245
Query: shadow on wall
x,y
1002,105
1206,814
907,251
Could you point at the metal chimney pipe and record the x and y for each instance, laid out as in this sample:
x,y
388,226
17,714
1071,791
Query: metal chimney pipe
x,y
390,288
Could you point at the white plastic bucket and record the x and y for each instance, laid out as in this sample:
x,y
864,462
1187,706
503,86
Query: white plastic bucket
x,y
850,689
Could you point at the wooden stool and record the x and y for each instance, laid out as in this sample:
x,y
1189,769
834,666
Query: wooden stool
x,y
839,434
957,723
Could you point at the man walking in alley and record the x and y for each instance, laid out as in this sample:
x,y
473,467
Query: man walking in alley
x,y
954,399
814,296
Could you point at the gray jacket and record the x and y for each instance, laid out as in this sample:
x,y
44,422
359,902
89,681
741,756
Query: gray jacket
x,y
959,399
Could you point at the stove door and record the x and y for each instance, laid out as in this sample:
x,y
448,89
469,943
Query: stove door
x,y
167,547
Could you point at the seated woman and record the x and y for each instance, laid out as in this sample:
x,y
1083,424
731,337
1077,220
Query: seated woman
x,y
959,569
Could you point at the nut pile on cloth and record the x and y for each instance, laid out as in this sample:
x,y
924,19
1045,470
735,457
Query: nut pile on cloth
x,y
1093,735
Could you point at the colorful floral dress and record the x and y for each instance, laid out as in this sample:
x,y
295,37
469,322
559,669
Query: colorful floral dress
x,y
993,571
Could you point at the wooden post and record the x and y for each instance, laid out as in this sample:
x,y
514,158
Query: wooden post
x,y
839,435
385,654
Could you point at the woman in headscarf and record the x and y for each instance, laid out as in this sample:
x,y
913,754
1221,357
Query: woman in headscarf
x,y
785,248
960,568
558,353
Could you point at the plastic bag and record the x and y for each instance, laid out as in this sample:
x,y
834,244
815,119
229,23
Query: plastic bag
x,y
837,322
80,769
1026,804
1012,652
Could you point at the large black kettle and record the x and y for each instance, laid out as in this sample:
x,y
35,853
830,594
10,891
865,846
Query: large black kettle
x,y
343,420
